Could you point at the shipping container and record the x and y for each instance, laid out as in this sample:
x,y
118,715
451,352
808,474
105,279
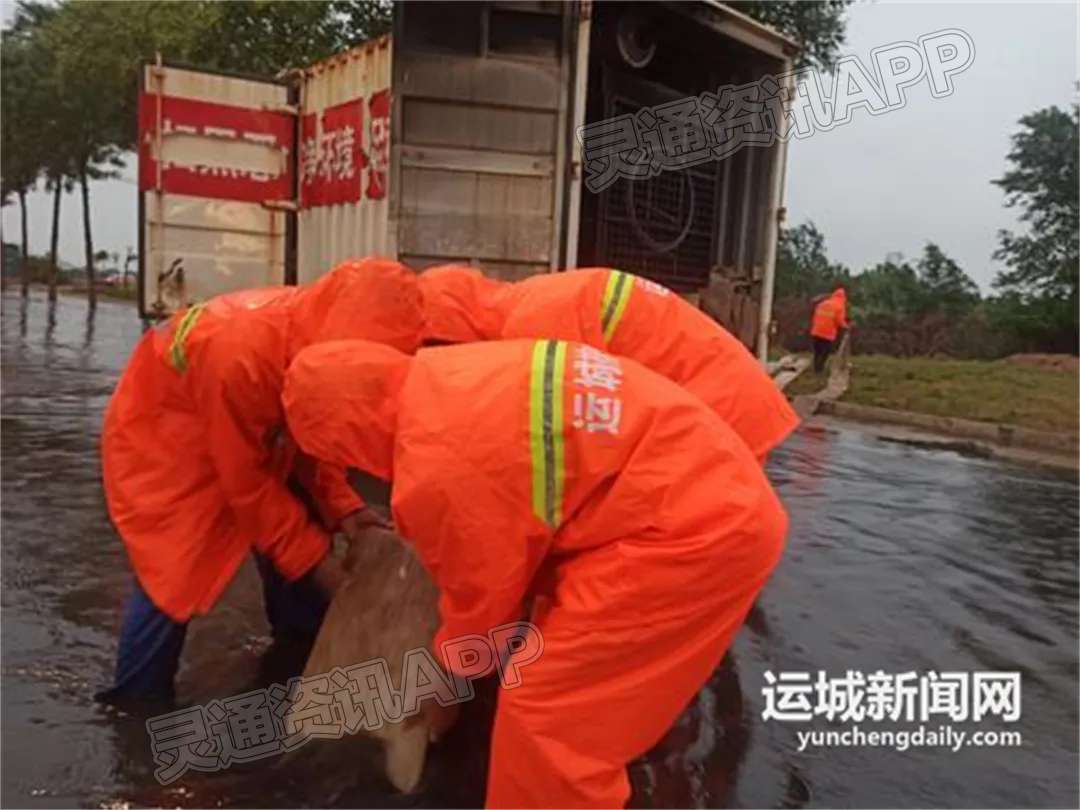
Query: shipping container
x,y
485,133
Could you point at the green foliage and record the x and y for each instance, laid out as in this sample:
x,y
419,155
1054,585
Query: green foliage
x,y
906,310
817,26
1040,285
949,289
934,286
1040,323
264,37
889,289
98,49
802,267
78,62
29,128
18,111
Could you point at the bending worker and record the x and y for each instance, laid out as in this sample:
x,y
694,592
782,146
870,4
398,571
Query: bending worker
x,y
830,317
638,520
625,315
196,467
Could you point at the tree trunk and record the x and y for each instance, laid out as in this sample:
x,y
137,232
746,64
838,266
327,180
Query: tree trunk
x,y
91,291
54,269
24,269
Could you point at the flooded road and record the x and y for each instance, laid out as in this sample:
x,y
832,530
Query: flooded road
x,y
899,559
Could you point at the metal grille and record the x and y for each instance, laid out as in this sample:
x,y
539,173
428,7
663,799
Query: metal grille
x,y
661,228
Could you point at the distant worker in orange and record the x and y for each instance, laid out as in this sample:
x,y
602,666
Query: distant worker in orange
x,y
623,314
636,519
830,318
197,470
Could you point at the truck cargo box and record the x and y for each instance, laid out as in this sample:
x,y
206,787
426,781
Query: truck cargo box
x,y
474,133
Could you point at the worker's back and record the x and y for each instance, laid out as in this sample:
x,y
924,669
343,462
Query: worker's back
x,y
593,447
830,316
193,456
662,331
631,317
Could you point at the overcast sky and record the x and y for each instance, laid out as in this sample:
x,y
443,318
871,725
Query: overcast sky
x,y
893,181
876,185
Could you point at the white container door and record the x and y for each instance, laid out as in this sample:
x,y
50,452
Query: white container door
x,y
217,186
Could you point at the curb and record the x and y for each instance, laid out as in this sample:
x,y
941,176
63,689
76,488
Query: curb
x,y
1005,435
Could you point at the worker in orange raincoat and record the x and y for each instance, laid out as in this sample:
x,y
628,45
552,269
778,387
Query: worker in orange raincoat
x,y
197,470
638,521
830,317
623,314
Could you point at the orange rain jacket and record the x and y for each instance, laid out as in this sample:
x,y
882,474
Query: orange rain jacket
x,y
195,463
623,314
830,316
639,520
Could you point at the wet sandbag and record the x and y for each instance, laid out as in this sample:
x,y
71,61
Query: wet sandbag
x,y
387,606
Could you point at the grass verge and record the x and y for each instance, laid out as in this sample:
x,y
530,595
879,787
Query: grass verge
x,y
987,391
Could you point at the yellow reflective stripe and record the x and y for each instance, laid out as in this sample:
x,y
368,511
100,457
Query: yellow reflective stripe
x,y
536,427
616,294
546,429
176,348
557,376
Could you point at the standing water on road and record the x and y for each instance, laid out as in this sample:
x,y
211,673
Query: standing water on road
x,y
898,559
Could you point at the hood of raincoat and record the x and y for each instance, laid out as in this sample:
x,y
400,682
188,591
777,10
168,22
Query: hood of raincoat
x,y
366,299
341,401
247,300
461,305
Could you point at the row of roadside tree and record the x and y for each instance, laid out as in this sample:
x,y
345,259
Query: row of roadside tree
x,y
69,79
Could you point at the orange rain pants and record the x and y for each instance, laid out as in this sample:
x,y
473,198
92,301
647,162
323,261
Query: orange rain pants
x,y
830,316
623,314
639,521
195,463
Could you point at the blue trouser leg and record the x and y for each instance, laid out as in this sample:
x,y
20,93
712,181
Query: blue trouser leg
x,y
150,642
149,651
292,608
